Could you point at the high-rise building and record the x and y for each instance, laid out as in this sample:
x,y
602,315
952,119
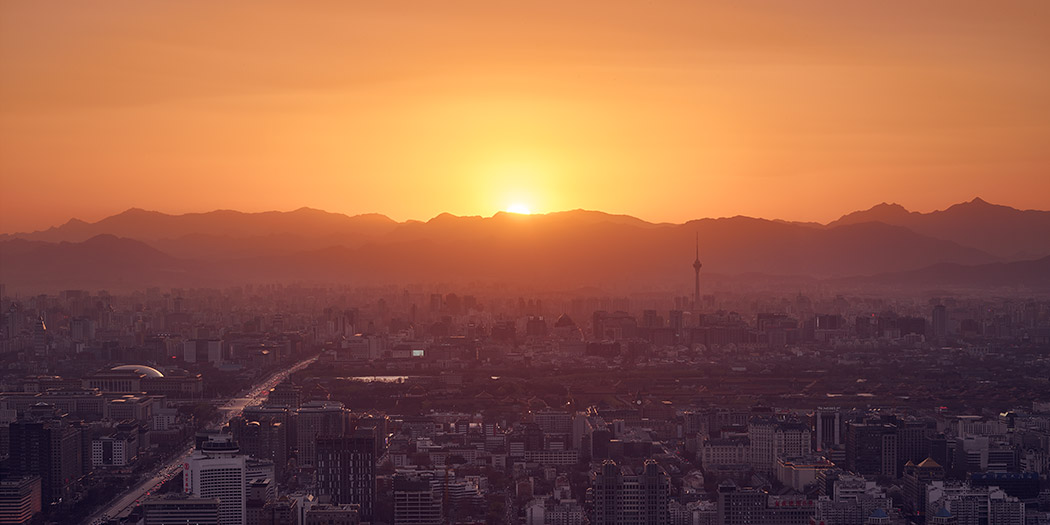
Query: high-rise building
x,y
317,418
740,506
828,425
554,421
624,497
772,438
264,439
217,470
203,351
916,478
171,509
346,470
415,502
260,493
40,346
45,444
912,443
285,394
19,498
116,450
940,323
871,448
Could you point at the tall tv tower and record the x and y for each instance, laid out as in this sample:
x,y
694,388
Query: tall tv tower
x,y
696,268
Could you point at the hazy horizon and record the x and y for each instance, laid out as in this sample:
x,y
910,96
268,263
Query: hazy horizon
x,y
497,212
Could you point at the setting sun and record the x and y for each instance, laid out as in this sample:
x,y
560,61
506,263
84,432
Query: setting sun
x,y
519,208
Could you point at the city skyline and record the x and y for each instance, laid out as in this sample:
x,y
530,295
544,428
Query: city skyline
x,y
595,262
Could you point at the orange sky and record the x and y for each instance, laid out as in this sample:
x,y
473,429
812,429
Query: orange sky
x,y
666,111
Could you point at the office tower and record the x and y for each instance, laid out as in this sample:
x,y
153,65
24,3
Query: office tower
x,y
555,423
346,469
676,320
119,449
415,502
285,394
315,418
274,417
20,498
260,493
48,446
217,470
82,329
266,438
912,444
203,351
772,438
39,338
828,425
624,497
916,478
871,448
940,323
171,509
740,506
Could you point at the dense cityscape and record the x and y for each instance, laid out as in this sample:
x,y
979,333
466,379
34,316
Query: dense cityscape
x,y
587,262
418,406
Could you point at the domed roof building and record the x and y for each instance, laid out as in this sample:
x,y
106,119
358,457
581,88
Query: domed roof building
x,y
565,329
147,371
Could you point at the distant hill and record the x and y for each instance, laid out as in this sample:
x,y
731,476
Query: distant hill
x,y
999,230
533,250
147,225
103,261
564,250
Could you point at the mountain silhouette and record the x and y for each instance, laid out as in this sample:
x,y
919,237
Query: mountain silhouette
x,y
103,261
999,230
561,250
147,225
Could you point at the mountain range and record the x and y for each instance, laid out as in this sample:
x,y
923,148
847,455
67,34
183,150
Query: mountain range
x,y
883,245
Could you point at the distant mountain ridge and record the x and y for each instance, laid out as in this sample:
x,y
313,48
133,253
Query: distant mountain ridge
x,y
564,249
999,230
145,225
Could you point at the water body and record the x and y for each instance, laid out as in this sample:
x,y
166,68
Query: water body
x,y
375,379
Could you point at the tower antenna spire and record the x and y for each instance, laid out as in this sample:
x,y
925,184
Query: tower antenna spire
x,y
696,270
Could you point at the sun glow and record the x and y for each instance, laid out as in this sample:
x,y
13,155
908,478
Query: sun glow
x,y
519,208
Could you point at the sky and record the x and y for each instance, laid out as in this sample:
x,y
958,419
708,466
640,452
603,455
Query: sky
x,y
668,111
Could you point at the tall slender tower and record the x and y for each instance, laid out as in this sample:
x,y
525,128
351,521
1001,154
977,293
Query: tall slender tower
x,y
696,268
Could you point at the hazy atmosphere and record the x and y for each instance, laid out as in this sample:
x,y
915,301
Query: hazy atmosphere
x,y
579,262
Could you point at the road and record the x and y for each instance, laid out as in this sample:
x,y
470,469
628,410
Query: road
x,y
232,408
